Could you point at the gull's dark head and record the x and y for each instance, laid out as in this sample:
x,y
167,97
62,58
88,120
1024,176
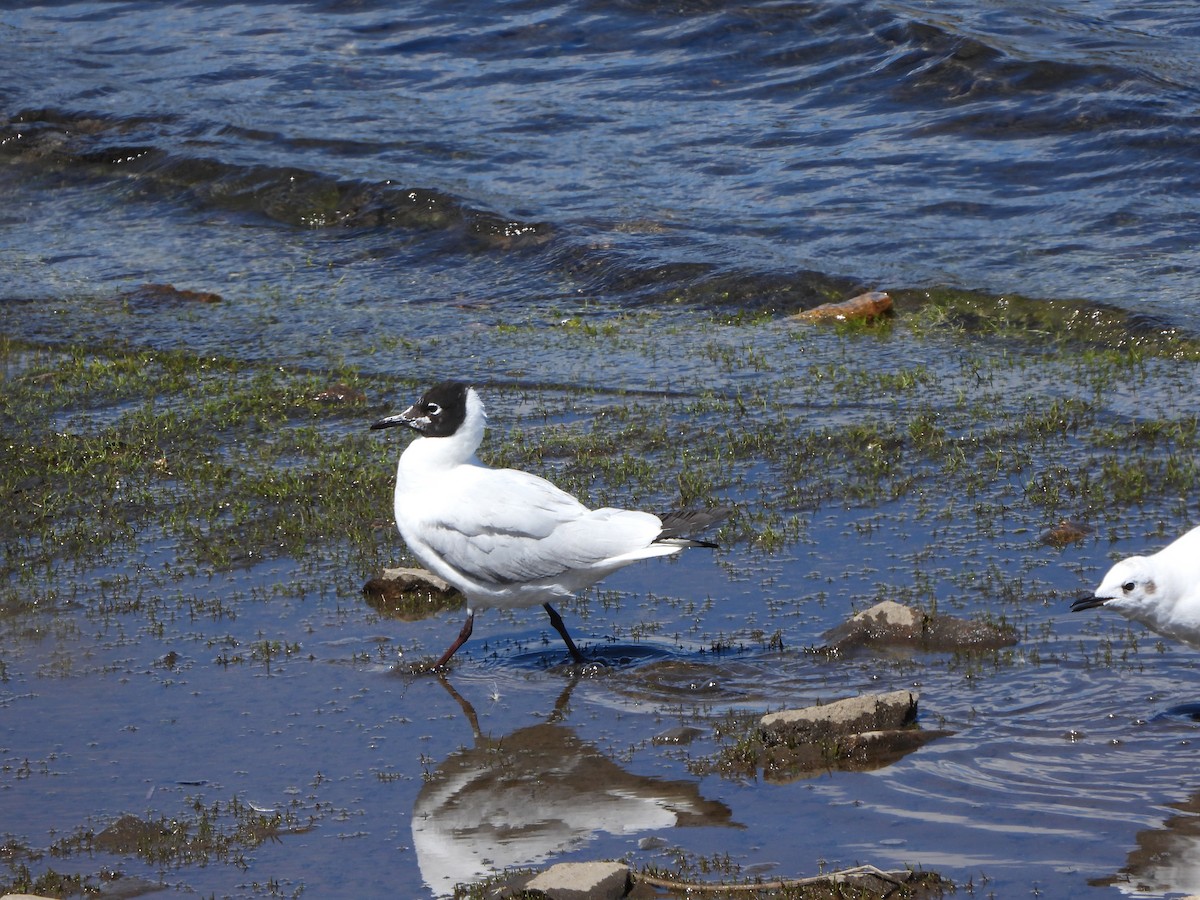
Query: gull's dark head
x,y
440,412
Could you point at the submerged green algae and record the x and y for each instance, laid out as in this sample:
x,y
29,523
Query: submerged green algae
x,y
959,400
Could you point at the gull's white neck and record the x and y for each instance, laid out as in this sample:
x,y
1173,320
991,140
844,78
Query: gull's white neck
x,y
429,455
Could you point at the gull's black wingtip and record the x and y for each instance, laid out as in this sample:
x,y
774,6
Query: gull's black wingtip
x,y
684,523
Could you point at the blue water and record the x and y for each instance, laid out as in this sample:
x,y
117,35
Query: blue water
x,y
522,153
423,190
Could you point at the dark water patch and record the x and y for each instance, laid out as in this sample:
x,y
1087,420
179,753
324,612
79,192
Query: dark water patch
x,y
1187,711
760,292
505,120
602,658
54,142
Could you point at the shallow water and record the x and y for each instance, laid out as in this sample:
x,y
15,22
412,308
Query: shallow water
x,y
1062,762
575,205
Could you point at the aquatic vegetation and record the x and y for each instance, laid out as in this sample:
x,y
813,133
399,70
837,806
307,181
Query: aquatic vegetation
x,y
206,833
224,458
915,460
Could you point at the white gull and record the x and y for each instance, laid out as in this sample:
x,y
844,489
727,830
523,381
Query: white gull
x,y
1161,591
505,538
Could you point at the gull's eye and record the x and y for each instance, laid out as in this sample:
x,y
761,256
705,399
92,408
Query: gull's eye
x,y
432,409
1128,586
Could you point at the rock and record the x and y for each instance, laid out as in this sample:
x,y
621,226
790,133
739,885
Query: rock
x,y
894,625
340,393
581,881
856,733
680,734
864,306
408,594
853,715
168,293
129,834
1065,532
409,579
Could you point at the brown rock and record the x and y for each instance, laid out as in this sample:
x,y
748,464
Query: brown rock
x,y
853,715
894,625
165,293
1065,532
864,306
408,594
858,733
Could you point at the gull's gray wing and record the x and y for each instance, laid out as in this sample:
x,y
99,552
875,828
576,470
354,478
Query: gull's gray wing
x,y
505,527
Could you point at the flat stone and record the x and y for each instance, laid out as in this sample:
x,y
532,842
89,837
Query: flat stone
x,y
855,734
853,715
410,578
889,612
582,881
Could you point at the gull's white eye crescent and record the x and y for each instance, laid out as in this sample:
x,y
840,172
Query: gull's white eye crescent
x,y
433,409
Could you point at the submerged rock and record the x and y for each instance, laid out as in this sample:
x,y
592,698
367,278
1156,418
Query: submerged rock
x,y
340,393
864,306
858,733
410,593
168,293
1065,532
893,625
680,734
129,835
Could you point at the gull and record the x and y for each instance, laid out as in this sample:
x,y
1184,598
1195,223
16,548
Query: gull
x,y
1161,591
505,538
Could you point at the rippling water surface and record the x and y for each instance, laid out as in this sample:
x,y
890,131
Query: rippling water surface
x,y
426,190
1038,149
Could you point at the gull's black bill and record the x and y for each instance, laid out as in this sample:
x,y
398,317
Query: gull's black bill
x,y
393,421
1088,603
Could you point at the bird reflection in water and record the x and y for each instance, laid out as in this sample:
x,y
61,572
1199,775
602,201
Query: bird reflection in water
x,y
1166,860
521,798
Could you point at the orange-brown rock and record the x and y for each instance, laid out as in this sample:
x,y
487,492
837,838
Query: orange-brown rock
x,y
864,306
1065,532
340,393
